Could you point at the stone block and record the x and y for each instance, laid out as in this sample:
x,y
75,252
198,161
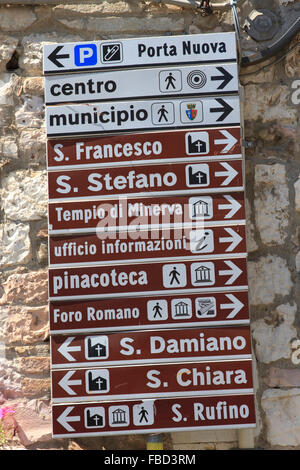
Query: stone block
x,y
6,90
273,335
33,387
282,416
268,276
30,113
15,19
271,202
32,145
103,8
34,365
8,147
26,325
250,230
113,25
297,194
271,103
10,380
26,288
15,244
34,421
279,377
8,45
25,195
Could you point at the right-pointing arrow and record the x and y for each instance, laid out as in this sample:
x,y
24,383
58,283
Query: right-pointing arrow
x,y
64,418
229,140
226,77
235,306
234,272
234,239
225,109
233,206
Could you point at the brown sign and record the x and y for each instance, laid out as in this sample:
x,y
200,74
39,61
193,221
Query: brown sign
x,y
161,380
168,243
204,144
129,213
146,416
156,179
147,278
149,312
150,346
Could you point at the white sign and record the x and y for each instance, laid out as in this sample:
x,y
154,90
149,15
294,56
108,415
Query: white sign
x,y
145,51
141,83
98,118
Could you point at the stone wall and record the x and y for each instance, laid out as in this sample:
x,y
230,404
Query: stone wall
x,y
271,112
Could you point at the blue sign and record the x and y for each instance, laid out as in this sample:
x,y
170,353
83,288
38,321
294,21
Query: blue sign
x,y
85,55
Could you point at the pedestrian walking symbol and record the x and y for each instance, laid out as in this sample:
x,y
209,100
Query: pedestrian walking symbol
x,y
174,275
143,414
170,80
162,113
157,310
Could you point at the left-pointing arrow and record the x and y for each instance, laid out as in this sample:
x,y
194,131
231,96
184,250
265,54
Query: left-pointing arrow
x,y
54,56
226,77
66,383
226,109
64,418
65,349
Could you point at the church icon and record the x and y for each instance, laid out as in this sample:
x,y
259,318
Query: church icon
x,y
94,417
96,347
97,381
197,175
197,143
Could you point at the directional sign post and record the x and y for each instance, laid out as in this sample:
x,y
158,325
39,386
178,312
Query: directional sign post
x,y
121,116
148,288
130,214
148,347
169,146
142,83
167,244
115,280
139,52
149,381
148,312
164,179
153,415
